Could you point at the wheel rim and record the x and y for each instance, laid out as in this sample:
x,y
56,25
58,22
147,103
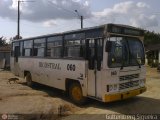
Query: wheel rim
x,y
76,93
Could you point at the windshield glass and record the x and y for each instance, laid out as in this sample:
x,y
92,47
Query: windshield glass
x,y
126,51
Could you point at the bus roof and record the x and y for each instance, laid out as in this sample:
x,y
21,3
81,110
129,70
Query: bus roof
x,y
81,30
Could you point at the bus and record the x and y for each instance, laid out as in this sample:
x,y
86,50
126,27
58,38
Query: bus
x,y
106,62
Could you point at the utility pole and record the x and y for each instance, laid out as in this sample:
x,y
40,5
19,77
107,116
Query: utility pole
x,y
81,22
18,18
18,21
81,18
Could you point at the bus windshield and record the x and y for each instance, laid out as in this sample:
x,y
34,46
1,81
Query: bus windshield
x,y
126,51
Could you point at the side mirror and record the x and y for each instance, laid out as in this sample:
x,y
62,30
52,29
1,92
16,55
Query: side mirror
x,y
108,46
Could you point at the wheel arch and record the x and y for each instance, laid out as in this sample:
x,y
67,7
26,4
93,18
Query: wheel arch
x,y
71,88
26,72
69,81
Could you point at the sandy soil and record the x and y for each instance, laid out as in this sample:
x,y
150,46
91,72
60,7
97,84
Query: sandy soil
x,y
44,102
40,101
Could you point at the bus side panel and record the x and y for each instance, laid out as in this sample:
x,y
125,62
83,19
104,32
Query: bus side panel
x,y
54,72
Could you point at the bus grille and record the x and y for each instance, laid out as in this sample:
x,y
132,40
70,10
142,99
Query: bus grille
x,y
128,77
128,85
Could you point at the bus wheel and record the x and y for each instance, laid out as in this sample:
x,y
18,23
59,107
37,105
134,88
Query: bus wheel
x,y
28,79
75,93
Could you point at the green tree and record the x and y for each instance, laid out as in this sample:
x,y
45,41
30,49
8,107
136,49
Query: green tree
x,y
3,41
151,38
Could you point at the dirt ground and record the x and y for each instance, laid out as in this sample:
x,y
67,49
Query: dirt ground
x,y
42,103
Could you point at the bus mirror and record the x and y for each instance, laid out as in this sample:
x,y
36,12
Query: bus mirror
x,y
108,46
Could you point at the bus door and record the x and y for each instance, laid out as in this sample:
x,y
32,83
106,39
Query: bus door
x,y
94,67
16,56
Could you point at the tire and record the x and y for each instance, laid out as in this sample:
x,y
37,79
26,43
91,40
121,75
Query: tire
x,y
28,79
76,95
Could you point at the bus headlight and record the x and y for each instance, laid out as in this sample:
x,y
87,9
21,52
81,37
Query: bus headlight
x,y
112,87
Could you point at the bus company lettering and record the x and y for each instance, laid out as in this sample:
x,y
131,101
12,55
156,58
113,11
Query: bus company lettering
x,y
50,65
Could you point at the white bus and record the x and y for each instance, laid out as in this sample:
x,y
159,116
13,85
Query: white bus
x,y
105,63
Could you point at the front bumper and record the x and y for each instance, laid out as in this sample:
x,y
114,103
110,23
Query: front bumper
x,y
124,95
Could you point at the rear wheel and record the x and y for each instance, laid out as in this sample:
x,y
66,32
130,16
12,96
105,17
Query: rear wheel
x,y
28,79
75,93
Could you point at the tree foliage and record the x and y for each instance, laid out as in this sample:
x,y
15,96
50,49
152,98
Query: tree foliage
x,y
3,41
151,38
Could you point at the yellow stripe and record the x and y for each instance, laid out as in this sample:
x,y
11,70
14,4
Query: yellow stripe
x,y
124,95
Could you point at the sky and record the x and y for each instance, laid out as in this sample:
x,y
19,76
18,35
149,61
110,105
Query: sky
x,y
40,17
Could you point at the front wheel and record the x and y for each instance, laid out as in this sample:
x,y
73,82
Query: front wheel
x,y
28,79
75,93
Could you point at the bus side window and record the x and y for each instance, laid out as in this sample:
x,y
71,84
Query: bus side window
x,y
28,45
39,47
17,51
21,48
75,45
91,53
54,47
75,48
35,52
95,53
82,51
99,52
